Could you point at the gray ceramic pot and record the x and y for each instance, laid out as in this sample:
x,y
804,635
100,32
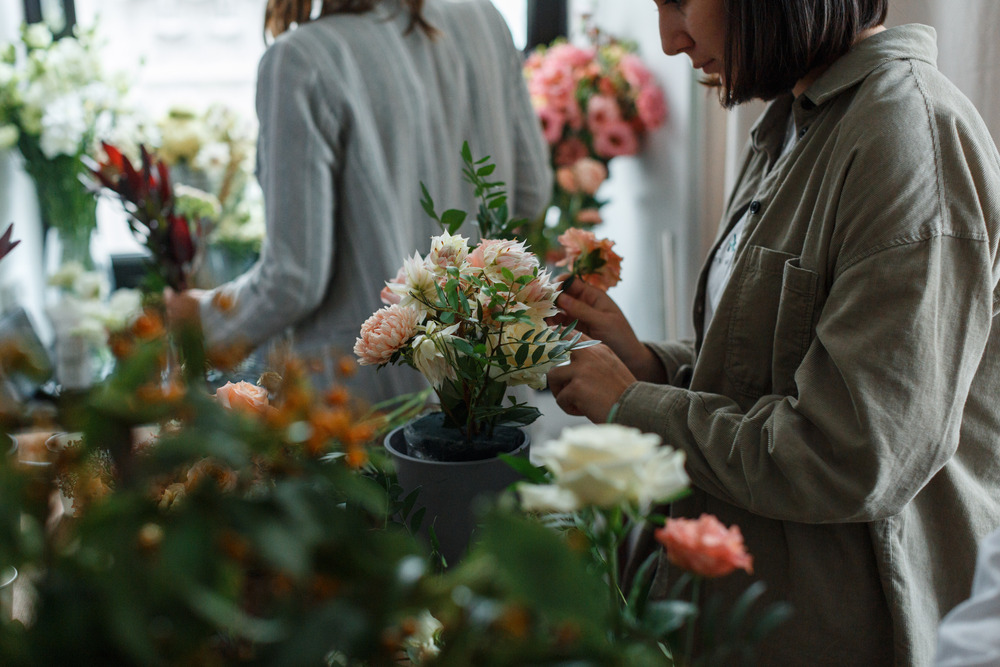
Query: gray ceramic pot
x,y
453,492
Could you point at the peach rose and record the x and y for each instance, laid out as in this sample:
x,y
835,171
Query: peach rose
x,y
566,179
704,546
387,330
591,259
589,174
243,396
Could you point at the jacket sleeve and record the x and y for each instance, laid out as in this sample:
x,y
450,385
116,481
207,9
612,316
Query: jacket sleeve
x,y
883,383
296,160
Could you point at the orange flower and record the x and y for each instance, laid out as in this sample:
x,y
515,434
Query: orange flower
x,y
337,396
704,546
148,325
347,367
243,396
591,259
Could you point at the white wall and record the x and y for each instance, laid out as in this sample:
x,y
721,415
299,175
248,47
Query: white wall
x,y
650,212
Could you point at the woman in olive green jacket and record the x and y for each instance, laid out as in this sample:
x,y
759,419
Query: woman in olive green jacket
x,y
841,399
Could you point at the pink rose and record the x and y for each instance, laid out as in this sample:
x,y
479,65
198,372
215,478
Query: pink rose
x,y
704,546
616,138
651,107
588,175
385,332
243,396
568,151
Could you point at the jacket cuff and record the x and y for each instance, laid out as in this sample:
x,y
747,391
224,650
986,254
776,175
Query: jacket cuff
x,y
647,406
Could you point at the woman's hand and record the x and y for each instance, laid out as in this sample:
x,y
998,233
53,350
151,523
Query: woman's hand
x,y
591,383
599,317
183,308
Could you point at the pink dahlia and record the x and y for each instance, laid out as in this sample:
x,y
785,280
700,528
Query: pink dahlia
x,y
634,71
385,332
553,122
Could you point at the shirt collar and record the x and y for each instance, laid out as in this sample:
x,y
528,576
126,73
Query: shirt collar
x,y
907,42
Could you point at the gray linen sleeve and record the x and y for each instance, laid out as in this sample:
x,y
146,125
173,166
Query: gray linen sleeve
x,y
296,166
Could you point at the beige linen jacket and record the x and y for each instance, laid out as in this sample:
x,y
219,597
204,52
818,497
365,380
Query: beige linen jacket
x,y
843,407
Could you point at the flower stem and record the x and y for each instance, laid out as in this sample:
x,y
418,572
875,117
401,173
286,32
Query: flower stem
x,y
689,633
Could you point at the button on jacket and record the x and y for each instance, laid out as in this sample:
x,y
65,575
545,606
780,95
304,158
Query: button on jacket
x,y
843,406
354,115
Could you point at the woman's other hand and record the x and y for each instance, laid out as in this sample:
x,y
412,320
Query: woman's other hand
x,y
591,383
599,317
183,308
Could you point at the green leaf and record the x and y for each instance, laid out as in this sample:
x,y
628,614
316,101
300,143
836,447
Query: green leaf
x,y
466,152
452,219
537,354
521,355
486,170
427,202
531,473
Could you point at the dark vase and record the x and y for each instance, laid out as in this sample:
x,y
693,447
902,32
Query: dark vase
x,y
452,493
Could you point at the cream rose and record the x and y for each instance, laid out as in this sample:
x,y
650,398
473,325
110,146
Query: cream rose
x,y
606,465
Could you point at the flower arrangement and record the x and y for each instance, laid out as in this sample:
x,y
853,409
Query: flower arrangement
x,y
595,103
56,101
213,151
599,481
148,198
471,320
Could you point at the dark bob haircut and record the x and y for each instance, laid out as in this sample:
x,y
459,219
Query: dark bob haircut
x,y
771,44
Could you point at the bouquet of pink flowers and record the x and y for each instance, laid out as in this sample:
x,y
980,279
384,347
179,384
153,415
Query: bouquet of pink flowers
x,y
471,319
595,104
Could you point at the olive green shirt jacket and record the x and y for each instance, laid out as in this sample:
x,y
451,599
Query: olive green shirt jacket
x,y
843,406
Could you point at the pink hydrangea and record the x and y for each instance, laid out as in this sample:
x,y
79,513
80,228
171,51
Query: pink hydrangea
x,y
385,332
616,138
705,546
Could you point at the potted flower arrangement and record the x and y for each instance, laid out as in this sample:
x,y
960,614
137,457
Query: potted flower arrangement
x,y
56,100
595,103
472,321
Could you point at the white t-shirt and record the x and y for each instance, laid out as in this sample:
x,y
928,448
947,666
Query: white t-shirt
x,y
721,269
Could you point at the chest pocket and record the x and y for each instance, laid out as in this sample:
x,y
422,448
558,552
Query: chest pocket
x,y
772,323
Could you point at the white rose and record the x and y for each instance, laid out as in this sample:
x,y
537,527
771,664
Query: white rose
x,y
609,464
423,642
547,498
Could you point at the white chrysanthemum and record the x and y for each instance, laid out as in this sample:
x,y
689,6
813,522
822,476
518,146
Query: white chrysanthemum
x,y
419,287
431,352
